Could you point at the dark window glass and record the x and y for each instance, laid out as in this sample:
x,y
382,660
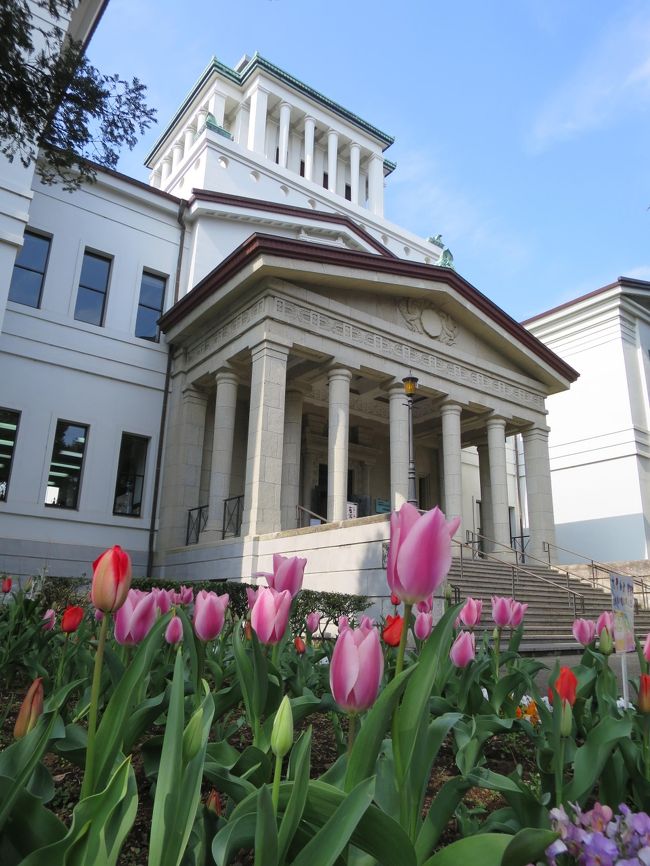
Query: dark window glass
x,y
130,475
93,285
152,296
348,192
64,480
8,433
29,270
325,179
302,168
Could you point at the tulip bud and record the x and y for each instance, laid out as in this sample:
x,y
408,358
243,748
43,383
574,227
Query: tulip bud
x,y
174,631
644,694
213,803
282,733
566,719
248,631
392,632
646,648
192,736
49,618
31,709
6,584
71,619
394,600
313,621
111,579
606,644
299,644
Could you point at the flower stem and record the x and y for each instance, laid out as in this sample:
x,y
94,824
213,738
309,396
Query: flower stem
x,y
59,673
497,650
277,776
88,782
352,731
402,643
559,773
646,746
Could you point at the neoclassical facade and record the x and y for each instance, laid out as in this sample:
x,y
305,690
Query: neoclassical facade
x,y
209,367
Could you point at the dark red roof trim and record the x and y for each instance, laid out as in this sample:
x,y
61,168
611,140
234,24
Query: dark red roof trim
x,y
623,282
262,244
289,210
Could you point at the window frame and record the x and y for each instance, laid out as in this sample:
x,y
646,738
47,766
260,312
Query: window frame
x,y
74,507
46,237
165,279
18,413
89,251
147,441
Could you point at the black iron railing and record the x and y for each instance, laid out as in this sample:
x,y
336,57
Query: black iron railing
x,y
196,521
519,545
233,511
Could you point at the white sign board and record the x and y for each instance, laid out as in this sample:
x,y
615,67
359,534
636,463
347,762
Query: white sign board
x,y
353,510
622,586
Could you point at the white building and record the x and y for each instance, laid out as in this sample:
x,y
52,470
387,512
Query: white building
x,y
600,431
291,312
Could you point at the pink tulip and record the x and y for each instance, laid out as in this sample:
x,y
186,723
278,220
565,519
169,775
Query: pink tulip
x,y
605,620
646,648
470,613
135,617
287,574
423,625
517,611
343,623
356,669
270,614
186,594
501,610
419,555
111,579
425,606
463,650
49,618
367,622
174,631
584,631
313,621
163,600
209,614
99,615
251,595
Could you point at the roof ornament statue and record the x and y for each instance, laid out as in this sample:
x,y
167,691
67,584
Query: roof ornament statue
x,y
446,259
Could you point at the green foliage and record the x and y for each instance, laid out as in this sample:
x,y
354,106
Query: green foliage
x,y
56,104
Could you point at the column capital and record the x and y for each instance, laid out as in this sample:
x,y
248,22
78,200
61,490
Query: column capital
x,y
285,104
451,407
355,145
339,372
496,421
396,388
309,118
536,430
226,375
332,131
271,346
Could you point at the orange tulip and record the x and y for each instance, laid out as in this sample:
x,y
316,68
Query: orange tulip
x,y
31,709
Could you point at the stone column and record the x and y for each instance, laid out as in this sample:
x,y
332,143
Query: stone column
x,y
332,158
165,168
265,434
188,139
452,470
310,129
496,435
225,407
399,446
376,184
355,153
290,495
217,107
257,122
338,443
183,458
155,178
539,495
201,118
283,143
177,154
487,524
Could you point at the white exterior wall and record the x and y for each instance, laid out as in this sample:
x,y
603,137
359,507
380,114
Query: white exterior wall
x,y
57,368
599,442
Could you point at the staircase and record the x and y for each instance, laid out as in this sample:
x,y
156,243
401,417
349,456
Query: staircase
x,y
550,616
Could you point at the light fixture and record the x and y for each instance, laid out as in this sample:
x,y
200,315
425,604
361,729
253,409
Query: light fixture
x,y
410,385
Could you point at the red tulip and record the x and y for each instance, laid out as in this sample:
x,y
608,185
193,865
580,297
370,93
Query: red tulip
x,y
111,579
644,694
357,668
6,584
299,644
566,685
71,619
30,710
392,633
394,600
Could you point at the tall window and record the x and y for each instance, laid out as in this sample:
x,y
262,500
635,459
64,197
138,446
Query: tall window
x,y
93,286
152,296
130,475
29,270
8,433
64,480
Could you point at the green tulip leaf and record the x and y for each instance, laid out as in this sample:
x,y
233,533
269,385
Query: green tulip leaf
x,y
300,760
485,848
266,831
528,846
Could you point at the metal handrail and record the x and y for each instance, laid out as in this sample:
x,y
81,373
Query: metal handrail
x,y
300,510
197,519
516,570
599,566
233,512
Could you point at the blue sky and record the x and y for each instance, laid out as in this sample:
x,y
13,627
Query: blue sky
x,y
521,126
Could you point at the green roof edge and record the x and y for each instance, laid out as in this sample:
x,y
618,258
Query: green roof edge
x,y
257,61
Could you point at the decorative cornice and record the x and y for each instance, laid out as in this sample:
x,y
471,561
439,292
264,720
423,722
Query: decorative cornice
x,y
259,244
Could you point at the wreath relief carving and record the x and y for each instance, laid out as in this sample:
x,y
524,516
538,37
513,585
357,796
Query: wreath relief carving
x,y
423,317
